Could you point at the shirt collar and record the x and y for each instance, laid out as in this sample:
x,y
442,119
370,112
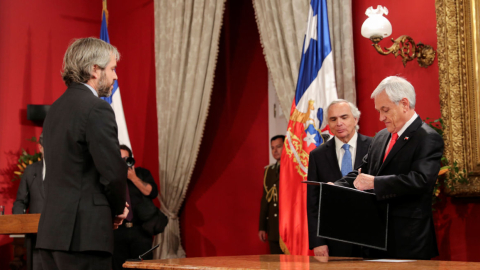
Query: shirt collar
x,y
352,142
91,89
407,124
44,169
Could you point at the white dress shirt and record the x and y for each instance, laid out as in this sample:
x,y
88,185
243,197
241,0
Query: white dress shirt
x,y
340,151
44,170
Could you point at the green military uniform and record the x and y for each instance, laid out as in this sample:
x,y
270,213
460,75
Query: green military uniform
x,y
269,207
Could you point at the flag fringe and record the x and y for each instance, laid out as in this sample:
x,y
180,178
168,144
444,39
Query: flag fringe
x,y
284,247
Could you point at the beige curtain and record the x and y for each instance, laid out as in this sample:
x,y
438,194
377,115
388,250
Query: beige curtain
x,y
341,36
282,26
187,34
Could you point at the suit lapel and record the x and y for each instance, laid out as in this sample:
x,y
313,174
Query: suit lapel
x,y
332,158
379,152
401,141
362,148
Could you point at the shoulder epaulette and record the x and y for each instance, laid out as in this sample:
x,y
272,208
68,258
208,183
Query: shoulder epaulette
x,y
271,165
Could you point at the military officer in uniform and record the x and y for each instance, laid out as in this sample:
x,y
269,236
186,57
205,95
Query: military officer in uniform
x,y
268,225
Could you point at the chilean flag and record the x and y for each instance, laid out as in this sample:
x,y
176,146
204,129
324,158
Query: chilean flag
x,y
315,90
115,100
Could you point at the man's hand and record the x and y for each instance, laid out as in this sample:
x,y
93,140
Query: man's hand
x,y
363,181
144,187
331,183
262,235
321,251
118,220
131,174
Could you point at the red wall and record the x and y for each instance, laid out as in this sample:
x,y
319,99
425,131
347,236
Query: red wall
x,y
371,67
456,219
218,220
131,29
221,211
33,38
220,214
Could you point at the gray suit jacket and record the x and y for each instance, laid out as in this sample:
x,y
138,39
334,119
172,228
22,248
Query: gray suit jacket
x,y
85,178
30,194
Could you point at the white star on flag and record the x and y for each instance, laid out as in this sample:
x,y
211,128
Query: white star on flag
x,y
311,30
310,139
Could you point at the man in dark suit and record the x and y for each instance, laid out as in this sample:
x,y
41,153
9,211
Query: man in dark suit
x,y
268,221
85,176
330,162
131,240
30,195
401,168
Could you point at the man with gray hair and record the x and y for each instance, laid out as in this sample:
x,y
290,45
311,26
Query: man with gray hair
x,y
401,168
330,162
85,176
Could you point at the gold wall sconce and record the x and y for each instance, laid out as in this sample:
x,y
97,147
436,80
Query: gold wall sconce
x,y
376,27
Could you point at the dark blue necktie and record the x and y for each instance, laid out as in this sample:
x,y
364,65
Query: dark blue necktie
x,y
347,160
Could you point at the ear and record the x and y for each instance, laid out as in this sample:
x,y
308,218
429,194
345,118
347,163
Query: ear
x,y
40,148
96,72
405,104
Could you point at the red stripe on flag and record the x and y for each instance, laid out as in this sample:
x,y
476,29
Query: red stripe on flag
x,y
293,223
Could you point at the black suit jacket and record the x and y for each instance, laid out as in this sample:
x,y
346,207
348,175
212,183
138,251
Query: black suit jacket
x,y
30,194
405,180
85,178
323,167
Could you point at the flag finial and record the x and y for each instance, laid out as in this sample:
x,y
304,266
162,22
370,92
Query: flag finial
x,y
105,10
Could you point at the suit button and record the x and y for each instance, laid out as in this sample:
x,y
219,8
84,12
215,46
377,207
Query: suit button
x,y
275,204
274,185
275,215
267,217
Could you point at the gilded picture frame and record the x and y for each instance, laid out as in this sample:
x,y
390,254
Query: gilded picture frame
x,y
458,33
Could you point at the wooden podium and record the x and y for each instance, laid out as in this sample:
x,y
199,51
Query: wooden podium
x,y
20,224
292,262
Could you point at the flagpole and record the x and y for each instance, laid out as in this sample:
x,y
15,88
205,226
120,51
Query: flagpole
x,y
315,90
115,100
105,10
